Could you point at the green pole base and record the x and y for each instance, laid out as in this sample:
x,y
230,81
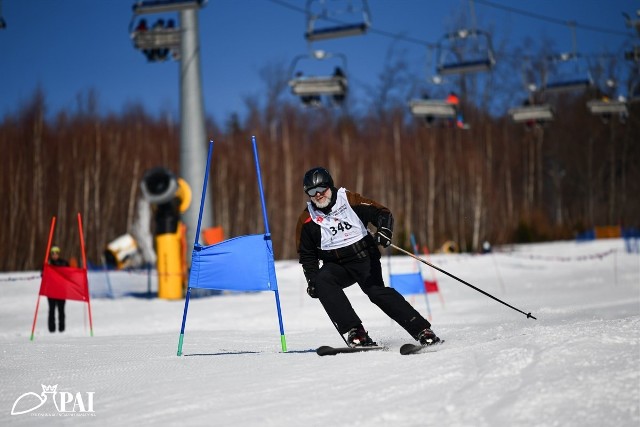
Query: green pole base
x,y
180,344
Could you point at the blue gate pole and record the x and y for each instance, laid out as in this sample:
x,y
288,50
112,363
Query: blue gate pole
x,y
196,244
184,321
283,340
204,193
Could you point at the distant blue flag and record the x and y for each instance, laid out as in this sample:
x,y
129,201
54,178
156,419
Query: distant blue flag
x,y
408,283
243,263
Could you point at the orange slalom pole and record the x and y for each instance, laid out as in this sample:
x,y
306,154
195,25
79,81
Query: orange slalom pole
x,y
46,260
84,264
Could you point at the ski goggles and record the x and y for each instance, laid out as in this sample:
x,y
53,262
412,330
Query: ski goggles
x,y
315,190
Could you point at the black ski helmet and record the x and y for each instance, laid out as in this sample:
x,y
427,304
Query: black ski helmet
x,y
317,177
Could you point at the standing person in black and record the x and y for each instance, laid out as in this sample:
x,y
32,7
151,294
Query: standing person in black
x,y
58,304
333,229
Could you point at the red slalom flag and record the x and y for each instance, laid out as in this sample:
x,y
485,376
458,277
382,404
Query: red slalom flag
x,y
65,283
431,286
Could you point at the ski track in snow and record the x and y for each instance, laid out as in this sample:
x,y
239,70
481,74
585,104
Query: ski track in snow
x,y
577,365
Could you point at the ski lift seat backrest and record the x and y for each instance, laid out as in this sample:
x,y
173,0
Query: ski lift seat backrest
x,y
607,107
304,83
531,112
466,67
321,85
432,108
330,14
165,38
568,85
335,32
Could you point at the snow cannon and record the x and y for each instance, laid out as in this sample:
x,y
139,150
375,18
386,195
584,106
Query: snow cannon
x,y
122,252
169,196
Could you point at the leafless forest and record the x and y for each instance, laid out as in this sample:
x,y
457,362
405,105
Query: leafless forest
x,y
498,180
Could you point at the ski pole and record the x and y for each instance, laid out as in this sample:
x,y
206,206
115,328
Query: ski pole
x,y
336,326
461,281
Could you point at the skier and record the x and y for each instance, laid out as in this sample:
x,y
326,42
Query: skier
x,y
453,99
333,229
55,303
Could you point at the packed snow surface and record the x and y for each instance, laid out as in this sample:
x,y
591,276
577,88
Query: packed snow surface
x,y
578,364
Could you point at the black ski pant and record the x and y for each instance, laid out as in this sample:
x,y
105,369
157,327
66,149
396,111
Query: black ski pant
x,y
333,278
56,304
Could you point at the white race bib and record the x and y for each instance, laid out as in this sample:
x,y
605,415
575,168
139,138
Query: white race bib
x,y
339,228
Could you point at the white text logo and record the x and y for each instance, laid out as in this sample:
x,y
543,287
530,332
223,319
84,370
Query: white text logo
x,y
67,404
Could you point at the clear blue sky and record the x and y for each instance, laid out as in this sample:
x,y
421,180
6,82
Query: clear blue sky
x,y
71,46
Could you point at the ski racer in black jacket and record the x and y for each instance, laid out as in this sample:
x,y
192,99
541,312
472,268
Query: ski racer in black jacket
x,y
333,229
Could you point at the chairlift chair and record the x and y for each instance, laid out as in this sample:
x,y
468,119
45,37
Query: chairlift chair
x,y
311,87
601,107
435,108
465,51
568,72
531,110
324,19
528,113
164,39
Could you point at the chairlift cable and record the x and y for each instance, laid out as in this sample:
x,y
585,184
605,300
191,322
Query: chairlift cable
x,y
431,45
370,30
550,19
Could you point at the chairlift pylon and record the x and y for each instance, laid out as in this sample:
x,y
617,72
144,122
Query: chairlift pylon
x,y
325,19
311,87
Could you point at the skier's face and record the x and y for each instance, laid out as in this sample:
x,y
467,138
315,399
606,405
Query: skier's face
x,y
322,199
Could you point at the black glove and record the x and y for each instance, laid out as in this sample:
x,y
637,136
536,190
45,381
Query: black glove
x,y
383,236
311,290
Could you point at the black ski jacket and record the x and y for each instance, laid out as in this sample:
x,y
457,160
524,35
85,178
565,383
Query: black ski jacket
x,y
308,234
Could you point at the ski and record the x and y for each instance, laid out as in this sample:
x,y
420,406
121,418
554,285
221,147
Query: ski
x,y
326,350
419,348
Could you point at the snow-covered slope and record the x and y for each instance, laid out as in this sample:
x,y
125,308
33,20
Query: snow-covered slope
x,y
577,365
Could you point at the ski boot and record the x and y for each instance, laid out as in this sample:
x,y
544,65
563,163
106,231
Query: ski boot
x,y
358,337
427,337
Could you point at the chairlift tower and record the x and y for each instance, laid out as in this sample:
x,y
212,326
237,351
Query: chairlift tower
x,y
193,140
